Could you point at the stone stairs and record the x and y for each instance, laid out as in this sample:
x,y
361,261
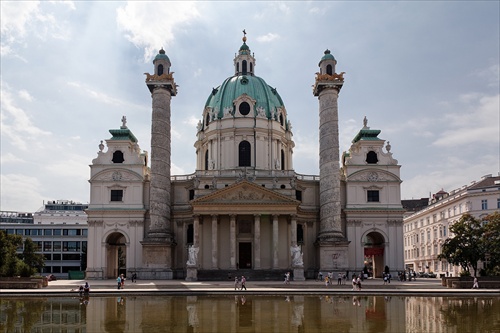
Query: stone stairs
x,y
250,274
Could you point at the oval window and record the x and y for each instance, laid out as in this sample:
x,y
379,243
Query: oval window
x,y
244,108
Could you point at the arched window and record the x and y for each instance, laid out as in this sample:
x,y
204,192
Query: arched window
x,y
281,119
207,119
371,157
160,69
329,70
244,108
251,67
282,159
244,153
244,67
237,67
206,160
118,157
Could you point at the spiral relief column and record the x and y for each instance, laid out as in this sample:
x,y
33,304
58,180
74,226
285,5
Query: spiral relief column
x,y
158,243
331,241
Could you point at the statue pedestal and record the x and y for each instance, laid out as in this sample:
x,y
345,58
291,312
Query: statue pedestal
x,y
298,274
191,273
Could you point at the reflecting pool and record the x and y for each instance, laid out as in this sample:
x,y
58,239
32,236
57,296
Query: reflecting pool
x,y
249,313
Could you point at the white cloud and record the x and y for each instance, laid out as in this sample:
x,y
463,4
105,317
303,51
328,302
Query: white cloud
x,y
99,96
10,158
16,124
20,191
479,122
25,95
142,22
268,37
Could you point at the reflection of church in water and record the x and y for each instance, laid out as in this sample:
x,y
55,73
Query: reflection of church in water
x,y
244,207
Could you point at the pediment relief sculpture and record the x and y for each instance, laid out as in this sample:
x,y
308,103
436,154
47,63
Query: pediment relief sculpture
x,y
116,176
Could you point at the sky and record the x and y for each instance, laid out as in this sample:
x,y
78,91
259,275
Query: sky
x,y
425,73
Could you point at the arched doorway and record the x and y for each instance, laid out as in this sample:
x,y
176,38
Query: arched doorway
x,y
116,255
374,243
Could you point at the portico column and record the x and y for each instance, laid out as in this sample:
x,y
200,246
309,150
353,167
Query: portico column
x,y
256,241
293,232
232,240
196,230
214,242
275,241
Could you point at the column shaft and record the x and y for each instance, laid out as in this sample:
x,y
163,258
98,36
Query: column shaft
x,y
232,241
275,241
214,242
256,241
159,208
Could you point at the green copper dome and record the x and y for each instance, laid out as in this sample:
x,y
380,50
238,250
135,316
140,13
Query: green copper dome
x,y
327,56
161,55
265,96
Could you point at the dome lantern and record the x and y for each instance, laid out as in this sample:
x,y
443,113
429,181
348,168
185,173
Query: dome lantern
x,y
244,62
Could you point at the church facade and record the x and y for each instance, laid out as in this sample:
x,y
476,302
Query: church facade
x,y
244,210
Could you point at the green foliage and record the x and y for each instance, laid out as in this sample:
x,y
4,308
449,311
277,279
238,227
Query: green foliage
x,y
34,260
474,240
8,255
11,264
466,247
491,242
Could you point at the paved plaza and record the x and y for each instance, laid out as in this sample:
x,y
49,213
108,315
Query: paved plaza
x,y
180,287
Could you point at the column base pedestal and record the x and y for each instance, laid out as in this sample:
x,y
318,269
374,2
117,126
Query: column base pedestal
x,y
298,274
333,256
192,273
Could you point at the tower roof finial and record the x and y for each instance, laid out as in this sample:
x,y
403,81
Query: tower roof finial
x,y
244,36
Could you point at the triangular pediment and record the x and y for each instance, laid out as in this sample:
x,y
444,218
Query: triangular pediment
x,y
245,192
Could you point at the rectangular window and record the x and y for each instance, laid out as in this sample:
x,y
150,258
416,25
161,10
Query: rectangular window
x,y
38,246
57,232
498,203
56,269
47,256
116,195
85,232
444,231
47,246
71,257
428,235
484,204
71,246
56,246
47,232
71,232
10,231
56,256
372,196
436,267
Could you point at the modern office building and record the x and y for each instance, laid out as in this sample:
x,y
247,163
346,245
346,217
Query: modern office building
x,y
59,230
244,207
426,230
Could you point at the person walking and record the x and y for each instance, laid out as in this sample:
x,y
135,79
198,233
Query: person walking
x,y
243,282
354,284
119,282
236,282
134,277
476,284
122,279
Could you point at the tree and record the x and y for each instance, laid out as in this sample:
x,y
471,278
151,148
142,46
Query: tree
x,y
466,247
491,242
8,256
34,260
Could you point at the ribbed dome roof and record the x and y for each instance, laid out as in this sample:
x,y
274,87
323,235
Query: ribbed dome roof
x,y
235,86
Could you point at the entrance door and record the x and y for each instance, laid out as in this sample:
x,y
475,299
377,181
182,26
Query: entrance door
x,y
245,255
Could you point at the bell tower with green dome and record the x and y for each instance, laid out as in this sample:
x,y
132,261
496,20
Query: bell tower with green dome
x,y
331,241
159,240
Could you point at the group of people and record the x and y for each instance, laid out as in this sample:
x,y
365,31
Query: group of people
x,y
120,280
387,277
356,282
240,283
328,279
84,290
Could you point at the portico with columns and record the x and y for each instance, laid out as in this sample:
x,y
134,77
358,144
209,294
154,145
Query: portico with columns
x,y
227,227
